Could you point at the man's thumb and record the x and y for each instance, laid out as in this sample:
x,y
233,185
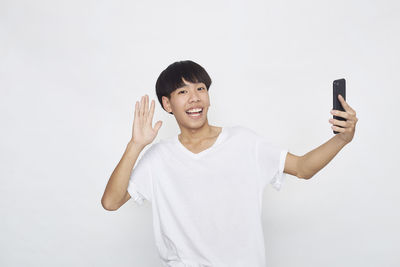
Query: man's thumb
x,y
158,125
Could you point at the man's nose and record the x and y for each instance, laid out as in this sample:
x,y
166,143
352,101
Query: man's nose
x,y
194,96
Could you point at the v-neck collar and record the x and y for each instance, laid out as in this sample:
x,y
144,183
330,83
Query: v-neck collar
x,y
204,152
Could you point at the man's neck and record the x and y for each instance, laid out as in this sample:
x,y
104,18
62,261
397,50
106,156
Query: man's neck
x,y
196,135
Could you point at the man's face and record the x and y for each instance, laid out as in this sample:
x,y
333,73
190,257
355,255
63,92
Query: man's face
x,y
183,99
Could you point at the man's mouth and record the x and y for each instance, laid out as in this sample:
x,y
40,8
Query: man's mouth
x,y
194,113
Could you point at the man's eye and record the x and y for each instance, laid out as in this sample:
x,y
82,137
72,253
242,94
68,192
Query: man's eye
x,y
184,90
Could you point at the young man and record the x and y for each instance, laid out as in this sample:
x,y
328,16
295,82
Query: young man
x,y
206,183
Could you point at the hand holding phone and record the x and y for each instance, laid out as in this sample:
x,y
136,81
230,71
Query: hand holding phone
x,y
339,87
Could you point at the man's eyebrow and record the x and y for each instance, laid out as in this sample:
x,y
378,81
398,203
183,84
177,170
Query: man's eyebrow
x,y
198,84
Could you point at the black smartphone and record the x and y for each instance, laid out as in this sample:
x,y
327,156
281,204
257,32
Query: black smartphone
x,y
339,87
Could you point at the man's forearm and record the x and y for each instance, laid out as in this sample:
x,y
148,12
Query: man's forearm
x,y
118,182
316,159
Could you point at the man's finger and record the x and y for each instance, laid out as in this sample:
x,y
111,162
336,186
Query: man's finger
x,y
151,112
344,124
340,114
344,103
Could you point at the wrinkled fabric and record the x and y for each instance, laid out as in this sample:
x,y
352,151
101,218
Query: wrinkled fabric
x,y
207,206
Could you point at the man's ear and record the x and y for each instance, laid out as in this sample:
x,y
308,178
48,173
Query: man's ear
x,y
166,104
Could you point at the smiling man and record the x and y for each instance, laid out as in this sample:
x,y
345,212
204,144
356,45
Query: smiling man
x,y
206,184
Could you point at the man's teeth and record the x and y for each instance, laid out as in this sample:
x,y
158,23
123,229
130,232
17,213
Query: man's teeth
x,y
194,110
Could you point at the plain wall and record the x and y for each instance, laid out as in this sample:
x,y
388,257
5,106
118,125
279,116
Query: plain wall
x,y
71,72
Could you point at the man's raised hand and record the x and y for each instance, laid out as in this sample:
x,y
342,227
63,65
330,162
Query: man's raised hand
x,y
348,127
143,132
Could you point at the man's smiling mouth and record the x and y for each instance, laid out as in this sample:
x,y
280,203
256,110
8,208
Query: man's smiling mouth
x,y
195,112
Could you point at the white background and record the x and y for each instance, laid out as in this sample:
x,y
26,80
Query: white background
x,y
71,71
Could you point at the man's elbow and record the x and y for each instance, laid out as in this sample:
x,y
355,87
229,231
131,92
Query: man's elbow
x,y
108,206
302,172
305,175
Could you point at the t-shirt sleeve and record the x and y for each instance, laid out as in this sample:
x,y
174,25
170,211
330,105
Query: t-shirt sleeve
x,y
140,182
271,162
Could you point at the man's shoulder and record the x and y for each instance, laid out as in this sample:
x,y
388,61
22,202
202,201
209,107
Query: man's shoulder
x,y
244,131
159,145
151,149
156,145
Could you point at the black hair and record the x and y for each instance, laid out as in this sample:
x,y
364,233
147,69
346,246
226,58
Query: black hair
x,y
170,79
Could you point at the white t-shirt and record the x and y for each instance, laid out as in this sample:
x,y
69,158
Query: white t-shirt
x,y
207,206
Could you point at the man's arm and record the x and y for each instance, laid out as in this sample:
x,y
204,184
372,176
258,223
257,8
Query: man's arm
x,y
143,133
309,164
116,194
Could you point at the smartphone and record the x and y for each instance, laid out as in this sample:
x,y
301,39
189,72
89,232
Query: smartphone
x,y
339,87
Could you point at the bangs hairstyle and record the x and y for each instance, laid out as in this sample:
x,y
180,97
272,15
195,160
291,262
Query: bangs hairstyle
x,y
170,79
